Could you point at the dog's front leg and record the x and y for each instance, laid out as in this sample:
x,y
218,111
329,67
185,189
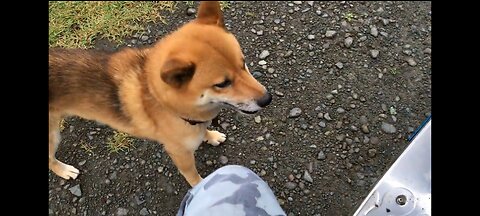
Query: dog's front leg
x,y
214,137
184,159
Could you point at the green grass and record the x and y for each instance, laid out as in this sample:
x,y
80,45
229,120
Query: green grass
x,y
87,147
62,125
76,24
223,4
349,16
119,142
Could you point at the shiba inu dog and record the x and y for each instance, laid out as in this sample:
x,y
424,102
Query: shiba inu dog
x,y
169,92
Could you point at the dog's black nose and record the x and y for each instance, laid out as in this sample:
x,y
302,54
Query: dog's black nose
x,y
265,100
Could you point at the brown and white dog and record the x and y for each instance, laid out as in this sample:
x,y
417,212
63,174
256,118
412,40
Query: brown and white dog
x,y
168,93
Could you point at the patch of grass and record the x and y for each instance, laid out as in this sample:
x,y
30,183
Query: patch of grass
x,y
349,16
76,24
223,4
62,125
87,147
119,142
393,71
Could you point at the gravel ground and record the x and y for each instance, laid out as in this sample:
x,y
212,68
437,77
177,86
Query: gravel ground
x,y
351,81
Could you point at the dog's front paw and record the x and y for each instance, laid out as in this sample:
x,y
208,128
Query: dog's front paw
x,y
215,138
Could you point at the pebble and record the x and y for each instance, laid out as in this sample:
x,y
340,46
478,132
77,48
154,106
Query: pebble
x,y
75,190
321,155
374,53
348,41
307,177
264,54
295,112
223,159
388,128
330,33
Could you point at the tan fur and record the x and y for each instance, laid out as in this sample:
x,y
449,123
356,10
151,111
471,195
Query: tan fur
x,y
149,92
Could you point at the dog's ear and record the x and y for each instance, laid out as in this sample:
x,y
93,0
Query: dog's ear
x,y
209,12
176,72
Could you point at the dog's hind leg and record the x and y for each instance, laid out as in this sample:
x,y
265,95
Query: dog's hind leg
x,y
63,170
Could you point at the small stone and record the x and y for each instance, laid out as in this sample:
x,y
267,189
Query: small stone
x,y
122,212
321,156
385,21
339,65
258,119
191,11
311,37
397,98
297,2
295,112
427,51
349,141
257,74
160,169
411,62
75,190
289,53
291,177
340,110
374,53
329,96
374,31
144,211
252,162
322,124
260,32
366,140
276,21
144,38
340,137
330,33
318,12
310,3
223,160
264,54
365,129
348,41
290,185
384,107
363,119
307,177
81,163
327,117
374,140
270,70
388,128
278,93
372,152
262,62
209,163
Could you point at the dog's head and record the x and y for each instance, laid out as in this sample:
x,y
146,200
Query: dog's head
x,y
200,68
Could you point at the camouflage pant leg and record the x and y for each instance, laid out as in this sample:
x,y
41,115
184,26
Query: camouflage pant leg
x,y
230,190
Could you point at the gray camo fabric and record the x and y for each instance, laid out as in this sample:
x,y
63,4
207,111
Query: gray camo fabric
x,y
231,190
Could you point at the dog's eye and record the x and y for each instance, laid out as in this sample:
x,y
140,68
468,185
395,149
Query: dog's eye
x,y
223,84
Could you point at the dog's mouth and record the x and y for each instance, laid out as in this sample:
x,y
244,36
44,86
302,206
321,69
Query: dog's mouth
x,y
248,112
